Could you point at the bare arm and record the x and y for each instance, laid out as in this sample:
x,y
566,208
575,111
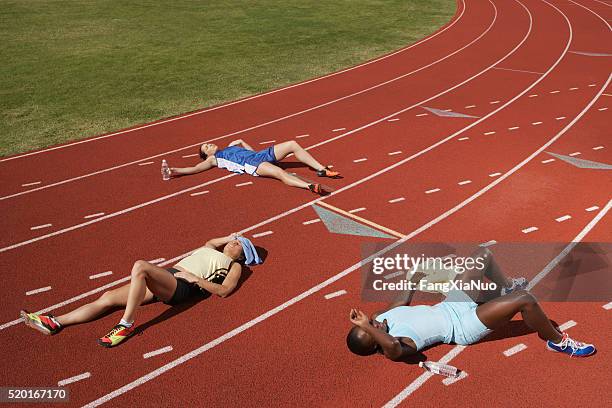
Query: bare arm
x,y
241,142
219,242
393,348
222,290
198,168
405,297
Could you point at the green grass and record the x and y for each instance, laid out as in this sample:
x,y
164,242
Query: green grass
x,y
73,69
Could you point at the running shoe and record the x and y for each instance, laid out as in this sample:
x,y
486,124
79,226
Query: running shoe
x,y
118,334
46,324
327,172
317,189
571,347
517,284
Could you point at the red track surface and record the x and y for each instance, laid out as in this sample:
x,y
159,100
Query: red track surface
x,y
295,355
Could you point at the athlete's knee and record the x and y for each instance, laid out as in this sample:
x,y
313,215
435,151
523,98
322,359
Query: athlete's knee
x,y
140,268
525,299
294,145
107,299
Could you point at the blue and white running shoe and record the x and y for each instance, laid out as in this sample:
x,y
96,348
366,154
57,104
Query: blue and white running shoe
x,y
571,347
517,284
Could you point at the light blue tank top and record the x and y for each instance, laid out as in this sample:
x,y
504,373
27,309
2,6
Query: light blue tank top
x,y
425,325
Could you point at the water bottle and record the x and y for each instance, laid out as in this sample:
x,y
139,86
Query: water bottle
x,y
439,368
165,170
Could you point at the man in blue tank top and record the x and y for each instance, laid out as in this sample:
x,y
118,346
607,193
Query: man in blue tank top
x,y
402,330
239,157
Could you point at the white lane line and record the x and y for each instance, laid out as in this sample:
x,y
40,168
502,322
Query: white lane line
x,y
463,138
73,379
520,70
598,147
93,215
560,118
34,183
494,102
592,208
563,218
567,325
421,114
394,153
554,92
402,50
533,95
311,221
338,129
199,193
146,163
530,229
488,243
516,349
335,294
190,155
607,306
157,260
420,380
573,88
536,123
301,136
393,120
470,106
513,128
548,161
591,85
396,200
356,210
464,182
575,154
494,174
37,227
489,133
154,353
267,142
451,380
263,234
100,275
433,190
602,109
39,290
394,275
359,160
244,184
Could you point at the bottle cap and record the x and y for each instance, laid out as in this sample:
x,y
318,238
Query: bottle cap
x,y
420,364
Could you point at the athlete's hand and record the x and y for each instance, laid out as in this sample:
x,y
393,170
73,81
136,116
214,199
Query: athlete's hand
x,y
235,142
358,318
188,276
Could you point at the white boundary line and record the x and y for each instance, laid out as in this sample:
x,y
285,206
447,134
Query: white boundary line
x,y
199,112
254,126
73,379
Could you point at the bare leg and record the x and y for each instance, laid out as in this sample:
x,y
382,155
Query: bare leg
x,y
490,270
146,275
282,150
500,311
114,298
270,170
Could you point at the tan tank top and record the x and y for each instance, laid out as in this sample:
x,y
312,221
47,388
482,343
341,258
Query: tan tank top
x,y
207,263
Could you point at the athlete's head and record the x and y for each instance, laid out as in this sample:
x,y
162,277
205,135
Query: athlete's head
x,y
207,149
361,343
233,249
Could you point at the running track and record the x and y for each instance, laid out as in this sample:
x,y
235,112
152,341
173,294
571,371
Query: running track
x,y
511,64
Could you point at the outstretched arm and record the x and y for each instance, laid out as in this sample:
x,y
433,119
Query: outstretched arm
x,y
219,242
198,168
242,143
405,297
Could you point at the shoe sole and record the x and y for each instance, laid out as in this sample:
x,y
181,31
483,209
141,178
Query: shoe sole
x,y
31,323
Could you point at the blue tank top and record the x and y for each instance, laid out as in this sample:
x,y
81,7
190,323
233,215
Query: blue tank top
x,y
425,325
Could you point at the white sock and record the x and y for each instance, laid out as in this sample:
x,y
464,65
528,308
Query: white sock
x,y
126,323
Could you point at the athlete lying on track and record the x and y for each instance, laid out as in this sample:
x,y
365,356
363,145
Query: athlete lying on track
x,y
402,330
239,157
208,270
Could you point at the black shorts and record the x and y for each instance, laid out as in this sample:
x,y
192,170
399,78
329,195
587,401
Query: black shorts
x,y
184,290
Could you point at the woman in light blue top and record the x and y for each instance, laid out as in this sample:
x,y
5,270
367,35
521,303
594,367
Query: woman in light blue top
x,y
401,330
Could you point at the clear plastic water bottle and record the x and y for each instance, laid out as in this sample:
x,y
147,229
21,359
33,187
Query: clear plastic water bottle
x,y
440,369
165,170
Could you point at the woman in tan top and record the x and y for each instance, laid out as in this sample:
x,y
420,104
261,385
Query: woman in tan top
x,y
213,269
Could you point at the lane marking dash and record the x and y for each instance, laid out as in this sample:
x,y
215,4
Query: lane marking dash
x,y
602,109
393,120
433,190
34,183
567,325
311,221
244,184
100,275
73,379
267,142
516,349
39,290
338,129
607,306
489,133
470,106
530,229
548,161
533,95
593,208
394,153
335,294
563,218
301,136
560,118
263,234
396,200
146,163
513,128
464,182
356,210
359,160
598,147
494,102
190,155
41,227
463,138
94,215
494,174
421,114
452,380
199,193
536,123
154,353
554,92
574,154
488,243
